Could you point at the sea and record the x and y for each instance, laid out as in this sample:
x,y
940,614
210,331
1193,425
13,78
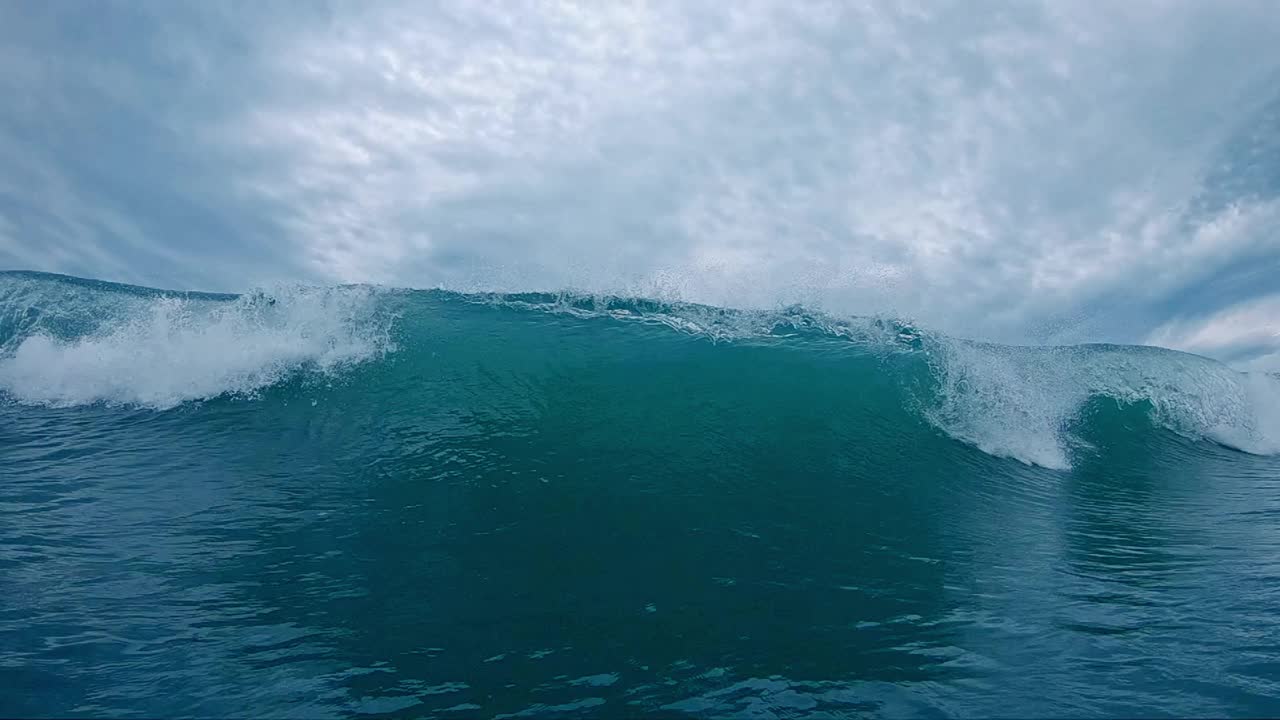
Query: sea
x,y
315,502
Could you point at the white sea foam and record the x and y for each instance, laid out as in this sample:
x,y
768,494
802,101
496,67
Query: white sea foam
x,y
169,350
1021,402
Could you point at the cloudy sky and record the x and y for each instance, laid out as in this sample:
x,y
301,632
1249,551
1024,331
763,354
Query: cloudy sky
x,y
1023,172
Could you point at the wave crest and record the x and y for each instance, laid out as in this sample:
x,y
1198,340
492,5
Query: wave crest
x,y
1023,402
160,351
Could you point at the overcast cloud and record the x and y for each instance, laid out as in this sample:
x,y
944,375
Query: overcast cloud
x,y
1021,171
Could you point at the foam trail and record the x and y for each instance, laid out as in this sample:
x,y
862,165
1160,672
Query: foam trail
x,y
173,349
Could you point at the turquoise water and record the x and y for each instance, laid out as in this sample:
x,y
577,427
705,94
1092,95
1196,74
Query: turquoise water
x,y
325,502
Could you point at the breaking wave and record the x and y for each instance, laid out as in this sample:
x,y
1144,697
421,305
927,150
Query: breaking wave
x,y
66,342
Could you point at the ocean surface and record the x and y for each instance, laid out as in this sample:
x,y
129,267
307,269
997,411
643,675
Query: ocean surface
x,y
340,501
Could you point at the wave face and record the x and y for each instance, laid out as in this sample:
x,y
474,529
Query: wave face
x,y
693,509
68,342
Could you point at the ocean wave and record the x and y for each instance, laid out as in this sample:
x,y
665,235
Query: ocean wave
x,y
66,342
